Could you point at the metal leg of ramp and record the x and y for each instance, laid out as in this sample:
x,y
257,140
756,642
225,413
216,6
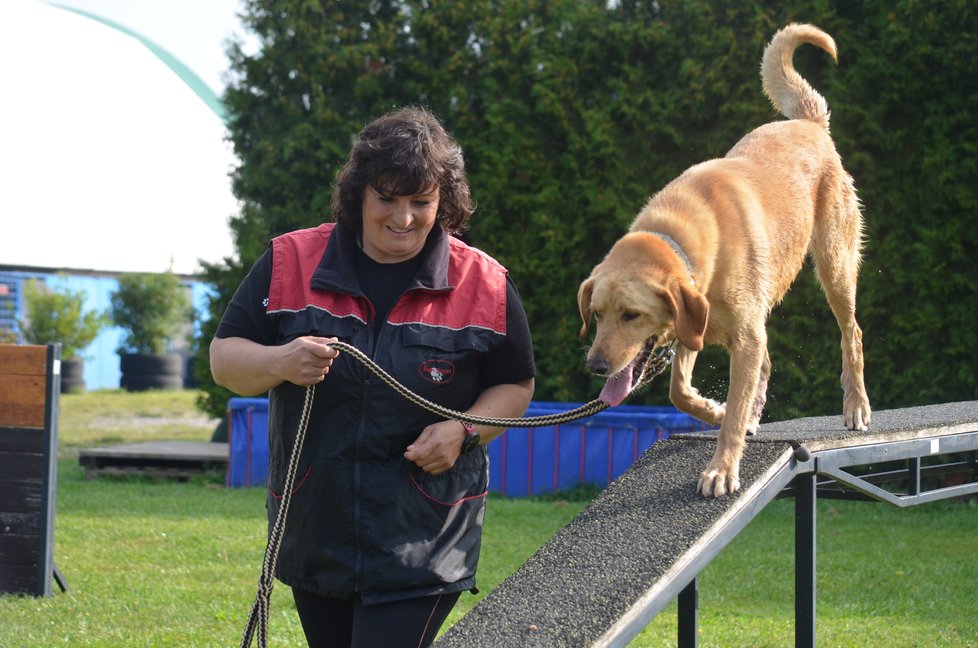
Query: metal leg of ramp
x,y
688,608
805,499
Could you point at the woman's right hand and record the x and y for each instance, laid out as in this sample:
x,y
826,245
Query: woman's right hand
x,y
248,368
306,360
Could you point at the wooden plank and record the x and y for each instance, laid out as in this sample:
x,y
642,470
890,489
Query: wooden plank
x,y
166,450
21,439
19,549
21,496
160,459
21,466
22,390
161,473
23,385
18,579
31,416
28,464
24,359
22,523
20,556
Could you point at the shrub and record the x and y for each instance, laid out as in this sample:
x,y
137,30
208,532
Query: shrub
x,y
57,315
152,309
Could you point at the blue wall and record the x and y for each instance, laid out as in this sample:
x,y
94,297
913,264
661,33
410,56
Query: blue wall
x,y
101,357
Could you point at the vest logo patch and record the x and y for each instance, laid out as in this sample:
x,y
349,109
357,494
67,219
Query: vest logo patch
x,y
439,372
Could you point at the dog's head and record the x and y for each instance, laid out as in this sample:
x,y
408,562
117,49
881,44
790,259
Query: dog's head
x,y
639,295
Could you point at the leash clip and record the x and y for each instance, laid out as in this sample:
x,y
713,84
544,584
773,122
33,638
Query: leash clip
x,y
659,360
668,353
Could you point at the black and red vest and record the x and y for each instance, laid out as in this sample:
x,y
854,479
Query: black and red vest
x,y
362,518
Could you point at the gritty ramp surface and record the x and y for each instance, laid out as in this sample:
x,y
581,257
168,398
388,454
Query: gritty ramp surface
x,y
592,572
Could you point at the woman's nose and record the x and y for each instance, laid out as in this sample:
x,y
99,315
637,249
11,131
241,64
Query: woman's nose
x,y
401,213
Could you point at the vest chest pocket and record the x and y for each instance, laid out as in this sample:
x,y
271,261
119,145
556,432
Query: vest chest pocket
x,y
313,321
439,364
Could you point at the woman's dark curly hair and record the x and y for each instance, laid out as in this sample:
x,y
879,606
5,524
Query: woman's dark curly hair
x,y
402,153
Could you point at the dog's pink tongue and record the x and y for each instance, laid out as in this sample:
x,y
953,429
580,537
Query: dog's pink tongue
x,y
617,388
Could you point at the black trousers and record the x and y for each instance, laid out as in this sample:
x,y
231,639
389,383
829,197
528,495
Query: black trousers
x,y
348,623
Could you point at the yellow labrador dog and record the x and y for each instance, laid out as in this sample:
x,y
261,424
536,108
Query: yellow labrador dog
x,y
711,254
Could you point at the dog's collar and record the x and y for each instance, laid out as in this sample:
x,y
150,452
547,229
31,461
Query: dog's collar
x,y
679,251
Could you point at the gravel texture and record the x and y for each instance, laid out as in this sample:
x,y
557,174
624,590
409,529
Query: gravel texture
x,y
571,591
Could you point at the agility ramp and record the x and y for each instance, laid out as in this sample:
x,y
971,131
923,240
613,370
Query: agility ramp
x,y
643,541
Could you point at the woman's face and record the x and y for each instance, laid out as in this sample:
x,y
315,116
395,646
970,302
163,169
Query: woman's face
x,y
395,228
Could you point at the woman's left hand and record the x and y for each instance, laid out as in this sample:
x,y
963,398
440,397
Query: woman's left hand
x,y
437,448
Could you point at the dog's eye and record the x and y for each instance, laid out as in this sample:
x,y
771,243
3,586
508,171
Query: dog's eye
x,y
628,316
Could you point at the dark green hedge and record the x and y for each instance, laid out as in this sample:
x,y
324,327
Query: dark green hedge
x,y
572,113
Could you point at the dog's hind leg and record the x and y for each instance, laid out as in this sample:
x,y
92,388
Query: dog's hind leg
x,y
836,247
687,398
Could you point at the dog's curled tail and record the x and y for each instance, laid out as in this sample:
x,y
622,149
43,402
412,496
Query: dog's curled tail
x,y
791,95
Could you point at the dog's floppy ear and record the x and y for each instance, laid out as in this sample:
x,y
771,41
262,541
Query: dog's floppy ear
x,y
692,311
584,304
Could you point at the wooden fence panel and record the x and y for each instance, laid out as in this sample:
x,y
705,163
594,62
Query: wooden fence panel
x,y
30,385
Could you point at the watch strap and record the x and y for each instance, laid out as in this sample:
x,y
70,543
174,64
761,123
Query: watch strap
x,y
472,438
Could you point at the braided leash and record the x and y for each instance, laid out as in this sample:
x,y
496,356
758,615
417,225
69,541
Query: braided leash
x,y
259,610
654,365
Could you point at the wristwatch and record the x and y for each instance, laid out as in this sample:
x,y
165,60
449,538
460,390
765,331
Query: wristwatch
x,y
472,438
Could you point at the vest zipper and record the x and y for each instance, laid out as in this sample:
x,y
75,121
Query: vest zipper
x,y
366,383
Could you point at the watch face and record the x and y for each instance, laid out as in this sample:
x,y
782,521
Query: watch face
x,y
471,443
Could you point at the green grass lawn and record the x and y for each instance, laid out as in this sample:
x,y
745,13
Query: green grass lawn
x,y
168,563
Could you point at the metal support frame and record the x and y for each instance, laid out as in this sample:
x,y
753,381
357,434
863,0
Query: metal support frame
x,y
907,467
805,545
688,606
901,465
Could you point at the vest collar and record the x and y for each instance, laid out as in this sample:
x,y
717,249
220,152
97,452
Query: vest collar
x,y
336,270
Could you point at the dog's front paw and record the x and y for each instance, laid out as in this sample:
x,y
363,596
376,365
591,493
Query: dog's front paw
x,y
857,415
718,481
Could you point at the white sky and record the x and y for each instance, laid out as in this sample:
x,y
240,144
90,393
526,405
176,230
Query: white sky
x,y
194,31
108,160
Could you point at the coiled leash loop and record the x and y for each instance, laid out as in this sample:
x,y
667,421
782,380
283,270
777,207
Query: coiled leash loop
x,y
654,365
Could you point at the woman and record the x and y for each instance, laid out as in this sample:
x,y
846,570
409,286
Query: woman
x,y
385,524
